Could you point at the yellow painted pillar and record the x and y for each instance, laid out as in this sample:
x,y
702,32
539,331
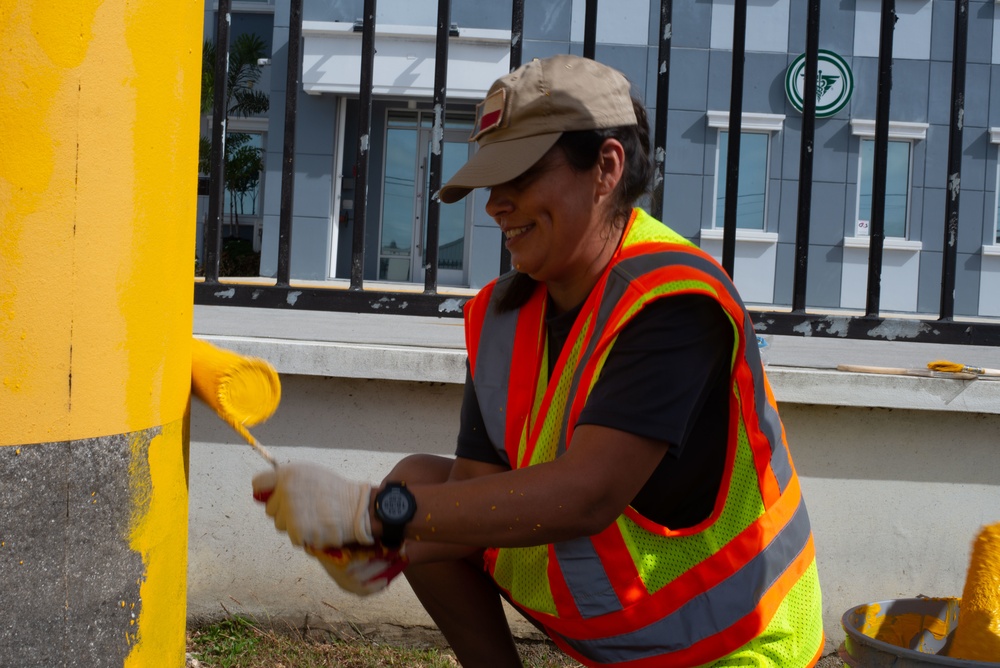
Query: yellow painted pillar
x,y
98,175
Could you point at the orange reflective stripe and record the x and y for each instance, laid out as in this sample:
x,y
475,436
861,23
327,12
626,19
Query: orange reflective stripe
x,y
529,337
616,558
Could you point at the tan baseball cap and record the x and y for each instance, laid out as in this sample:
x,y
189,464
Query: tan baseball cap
x,y
525,112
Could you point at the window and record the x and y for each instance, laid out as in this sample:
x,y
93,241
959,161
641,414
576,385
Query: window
x,y
755,149
899,167
752,196
897,187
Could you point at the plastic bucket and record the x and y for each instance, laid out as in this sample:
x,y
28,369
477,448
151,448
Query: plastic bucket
x,y
902,633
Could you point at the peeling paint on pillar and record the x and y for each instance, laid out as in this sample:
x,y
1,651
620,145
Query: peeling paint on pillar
x,y
88,550
98,161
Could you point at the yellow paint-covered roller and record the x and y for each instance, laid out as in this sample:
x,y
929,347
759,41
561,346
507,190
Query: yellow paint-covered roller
x,y
977,634
243,390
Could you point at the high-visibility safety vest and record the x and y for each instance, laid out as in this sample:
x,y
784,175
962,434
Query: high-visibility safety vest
x,y
741,588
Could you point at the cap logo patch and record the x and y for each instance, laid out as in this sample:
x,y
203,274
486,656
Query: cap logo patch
x,y
489,114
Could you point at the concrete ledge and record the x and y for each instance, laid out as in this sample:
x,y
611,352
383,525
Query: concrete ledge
x,y
825,387
352,360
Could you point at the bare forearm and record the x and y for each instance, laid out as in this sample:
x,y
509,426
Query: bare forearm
x,y
531,506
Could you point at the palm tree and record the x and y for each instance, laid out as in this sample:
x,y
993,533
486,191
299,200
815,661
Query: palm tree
x,y
244,73
243,162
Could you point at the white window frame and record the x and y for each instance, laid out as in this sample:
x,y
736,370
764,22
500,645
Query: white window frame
x,y
750,123
898,131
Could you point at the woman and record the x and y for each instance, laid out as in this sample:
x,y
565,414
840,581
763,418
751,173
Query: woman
x,y
621,474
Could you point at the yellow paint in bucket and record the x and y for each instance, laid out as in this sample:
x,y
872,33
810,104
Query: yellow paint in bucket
x,y
977,635
243,391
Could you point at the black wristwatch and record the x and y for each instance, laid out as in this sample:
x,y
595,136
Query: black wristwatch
x,y
394,507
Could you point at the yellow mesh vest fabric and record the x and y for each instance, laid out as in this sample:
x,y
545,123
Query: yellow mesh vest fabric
x,y
794,635
523,571
661,559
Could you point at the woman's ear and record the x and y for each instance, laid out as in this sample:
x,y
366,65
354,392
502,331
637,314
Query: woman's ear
x,y
610,165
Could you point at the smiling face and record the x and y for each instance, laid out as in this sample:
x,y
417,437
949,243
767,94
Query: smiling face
x,y
556,222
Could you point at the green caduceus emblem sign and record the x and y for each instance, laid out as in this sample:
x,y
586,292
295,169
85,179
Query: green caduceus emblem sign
x,y
834,83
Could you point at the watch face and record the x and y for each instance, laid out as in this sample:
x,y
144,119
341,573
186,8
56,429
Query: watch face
x,y
394,505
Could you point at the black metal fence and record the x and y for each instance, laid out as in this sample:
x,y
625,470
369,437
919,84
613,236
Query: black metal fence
x,y
798,320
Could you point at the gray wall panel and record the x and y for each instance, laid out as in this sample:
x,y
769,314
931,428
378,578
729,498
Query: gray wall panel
x,y
333,10
935,149
534,48
980,39
630,61
939,84
862,104
720,72
688,79
492,15
683,203
942,30
316,124
548,20
692,22
764,83
774,202
687,143
976,148
313,185
909,90
994,105
484,261
830,213
971,221
933,207
967,283
929,282
977,95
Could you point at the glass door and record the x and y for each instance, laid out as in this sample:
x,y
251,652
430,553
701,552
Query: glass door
x,y
406,194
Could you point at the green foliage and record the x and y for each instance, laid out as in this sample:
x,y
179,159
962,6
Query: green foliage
x,y
242,99
236,258
243,162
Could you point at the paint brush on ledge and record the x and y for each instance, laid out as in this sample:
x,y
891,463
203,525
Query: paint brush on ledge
x,y
242,390
897,371
957,367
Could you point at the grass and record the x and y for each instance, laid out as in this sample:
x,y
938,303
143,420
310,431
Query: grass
x,y
239,642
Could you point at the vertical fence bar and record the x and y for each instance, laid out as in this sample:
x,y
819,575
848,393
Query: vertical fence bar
x,y
294,52
433,221
364,130
590,30
662,104
806,159
735,123
877,234
516,49
950,248
217,159
516,33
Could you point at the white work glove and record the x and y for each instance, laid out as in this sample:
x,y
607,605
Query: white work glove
x,y
361,569
316,506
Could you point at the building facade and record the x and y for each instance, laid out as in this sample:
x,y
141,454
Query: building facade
x,y
697,127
